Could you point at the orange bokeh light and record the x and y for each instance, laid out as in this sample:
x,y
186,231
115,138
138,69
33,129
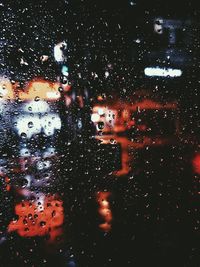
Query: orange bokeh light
x,y
6,89
104,210
40,90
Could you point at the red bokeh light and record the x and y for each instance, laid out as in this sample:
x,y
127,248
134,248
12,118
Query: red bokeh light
x,y
36,219
196,164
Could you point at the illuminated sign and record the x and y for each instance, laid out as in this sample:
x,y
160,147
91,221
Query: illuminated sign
x,y
162,72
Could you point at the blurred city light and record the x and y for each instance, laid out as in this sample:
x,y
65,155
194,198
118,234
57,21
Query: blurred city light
x,y
162,72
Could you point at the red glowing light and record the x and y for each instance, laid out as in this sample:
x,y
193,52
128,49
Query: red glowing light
x,y
36,219
196,163
119,117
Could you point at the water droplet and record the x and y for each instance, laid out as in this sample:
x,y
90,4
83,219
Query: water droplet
x,y
25,221
53,213
100,125
30,124
23,135
42,223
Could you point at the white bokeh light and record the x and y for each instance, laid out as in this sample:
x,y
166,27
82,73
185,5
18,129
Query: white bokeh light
x,y
162,72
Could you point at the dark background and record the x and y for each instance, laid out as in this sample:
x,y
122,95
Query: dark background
x,y
101,36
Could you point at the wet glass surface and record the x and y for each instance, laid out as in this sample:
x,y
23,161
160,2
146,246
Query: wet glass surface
x,y
99,133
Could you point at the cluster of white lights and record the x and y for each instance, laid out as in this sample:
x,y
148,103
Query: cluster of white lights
x,y
97,116
37,106
30,125
162,72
